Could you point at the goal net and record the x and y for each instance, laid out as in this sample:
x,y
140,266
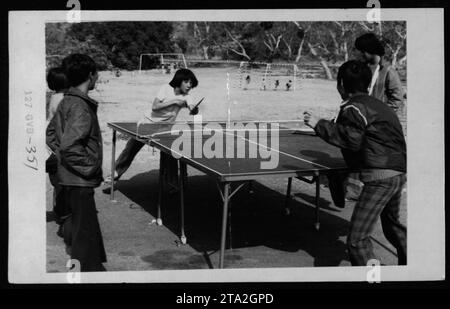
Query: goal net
x,y
268,76
163,62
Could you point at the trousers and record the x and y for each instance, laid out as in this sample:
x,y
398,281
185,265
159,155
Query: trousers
x,y
379,199
86,237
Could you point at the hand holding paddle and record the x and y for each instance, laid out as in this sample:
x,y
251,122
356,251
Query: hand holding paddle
x,y
194,109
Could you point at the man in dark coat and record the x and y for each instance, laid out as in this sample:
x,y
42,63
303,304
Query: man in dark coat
x,y
371,139
74,136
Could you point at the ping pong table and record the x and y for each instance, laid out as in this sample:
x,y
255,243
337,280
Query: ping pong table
x,y
301,155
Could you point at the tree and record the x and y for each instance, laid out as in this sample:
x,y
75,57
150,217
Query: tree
x,y
301,31
202,36
271,38
59,45
239,38
123,42
395,41
320,43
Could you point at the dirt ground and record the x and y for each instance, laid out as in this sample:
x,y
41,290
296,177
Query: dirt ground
x,y
261,235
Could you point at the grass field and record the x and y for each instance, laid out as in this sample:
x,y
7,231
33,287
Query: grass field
x,y
261,236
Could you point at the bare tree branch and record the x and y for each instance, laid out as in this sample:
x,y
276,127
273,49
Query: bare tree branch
x,y
335,42
268,46
389,46
236,41
401,35
365,27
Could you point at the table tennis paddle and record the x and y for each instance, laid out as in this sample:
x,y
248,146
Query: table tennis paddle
x,y
196,105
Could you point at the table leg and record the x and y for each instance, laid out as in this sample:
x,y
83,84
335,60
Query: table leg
x,y
229,223
226,190
317,225
250,187
160,190
287,208
113,165
181,180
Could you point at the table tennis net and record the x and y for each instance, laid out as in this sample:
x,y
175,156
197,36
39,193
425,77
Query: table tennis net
x,y
164,129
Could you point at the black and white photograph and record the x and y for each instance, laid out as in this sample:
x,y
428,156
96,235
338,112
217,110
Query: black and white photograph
x,y
290,145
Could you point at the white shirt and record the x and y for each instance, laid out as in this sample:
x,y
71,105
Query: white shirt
x,y
374,79
55,99
169,113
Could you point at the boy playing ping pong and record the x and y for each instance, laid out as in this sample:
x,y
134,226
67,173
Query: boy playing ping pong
x,y
171,98
371,139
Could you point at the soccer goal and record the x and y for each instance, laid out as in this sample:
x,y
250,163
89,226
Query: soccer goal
x,y
164,62
268,76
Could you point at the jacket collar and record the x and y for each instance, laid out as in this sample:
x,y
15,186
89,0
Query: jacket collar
x,y
355,95
344,102
384,64
77,93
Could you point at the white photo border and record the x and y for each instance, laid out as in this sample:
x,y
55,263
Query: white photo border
x,y
425,140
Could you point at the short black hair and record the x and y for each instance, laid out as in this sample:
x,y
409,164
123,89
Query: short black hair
x,y
183,75
57,79
77,68
355,76
370,43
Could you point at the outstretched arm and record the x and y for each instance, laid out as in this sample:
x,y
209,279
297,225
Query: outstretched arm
x,y
161,104
347,133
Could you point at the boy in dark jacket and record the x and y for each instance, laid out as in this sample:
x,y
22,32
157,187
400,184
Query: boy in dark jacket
x,y
74,136
385,86
372,142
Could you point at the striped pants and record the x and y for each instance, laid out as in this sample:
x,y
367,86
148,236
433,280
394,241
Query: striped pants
x,y
380,198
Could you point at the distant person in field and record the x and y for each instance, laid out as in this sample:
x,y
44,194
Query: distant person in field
x,y
288,85
74,136
57,82
263,86
277,83
371,139
171,98
247,82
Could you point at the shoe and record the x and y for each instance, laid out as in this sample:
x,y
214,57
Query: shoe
x,y
353,193
52,216
340,205
108,179
351,198
59,232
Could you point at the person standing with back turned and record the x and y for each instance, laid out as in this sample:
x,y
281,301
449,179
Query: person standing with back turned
x,y
371,139
385,85
74,135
